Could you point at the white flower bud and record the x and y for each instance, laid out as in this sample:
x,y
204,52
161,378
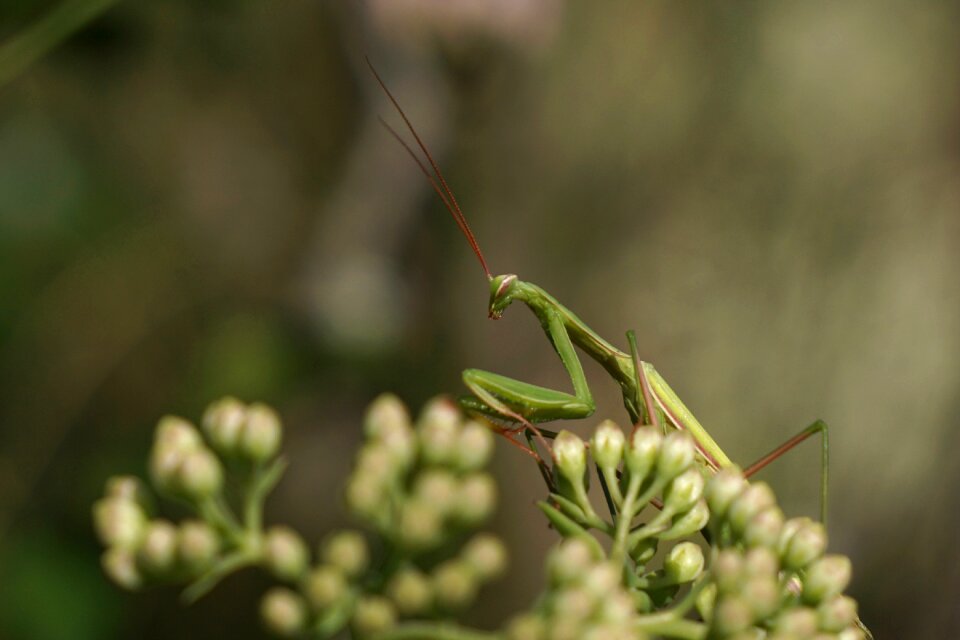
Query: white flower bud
x,y
285,553
348,551
120,565
129,488
570,456
157,554
261,433
324,587
177,433
569,560
826,578
474,446
199,474
806,545
386,414
119,522
751,501
684,491
763,529
365,495
837,613
607,444
684,563
798,621
476,499
373,614
527,626
439,429
676,454
731,616
420,524
284,612
222,422
454,585
693,520
197,545
411,592
722,489
486,555
438,488
642,451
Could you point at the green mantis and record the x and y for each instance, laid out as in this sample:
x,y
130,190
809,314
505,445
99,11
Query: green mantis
x,y
646,395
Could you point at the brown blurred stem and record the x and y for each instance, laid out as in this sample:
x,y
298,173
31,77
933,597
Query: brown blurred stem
x,y
28,46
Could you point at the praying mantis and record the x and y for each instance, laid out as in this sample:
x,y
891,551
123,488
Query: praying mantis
x,y
646,395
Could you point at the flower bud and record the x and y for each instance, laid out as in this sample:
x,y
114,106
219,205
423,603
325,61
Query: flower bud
x,y
454,585
568,560
119,522
324,587
642,451
474,447
197,545
373,614
386,414
261,433
476,499
222,422
790,527
684,563
706,601
693,520
799,621
722,489
806,545
683,491
177,433
676,454
754,499
158,550
438,488
573,605
128,488
645,549
728,571
365,495
761,561
420,524
826,578
852,632
527,626
617,609
732,615
607,445
283,611
439,428
348,551
762,594
570,456
486,555
837,613
284,553
763,530
410,591
199,474
601,580
120,565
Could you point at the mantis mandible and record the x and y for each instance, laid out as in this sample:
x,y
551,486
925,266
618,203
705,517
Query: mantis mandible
x,y
646,395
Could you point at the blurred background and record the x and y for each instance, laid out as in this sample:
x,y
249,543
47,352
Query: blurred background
x,y
196,199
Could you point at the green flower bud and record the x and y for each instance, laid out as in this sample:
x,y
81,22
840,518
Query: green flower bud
x,y
762,594
617,609
177,433
477,498
684,563
454,585
439,432
222,422
324,587
826,578
119,522
763,530
722,489
261,433
120,565
421,524
790,527
486,555
128,488
474,447
676,454
197,545
569,560
411,592
284,613
728,571
642,451
199,474
806,545
376,461
158,550
386,414
365,495
837,613
438,488
706,600
348,551
601,579
693,520
607,444
761,561
799,621
284,553
851,633
575,605
527,626
732,615
373,614
570,457
754,499
164,463
645,549
683,491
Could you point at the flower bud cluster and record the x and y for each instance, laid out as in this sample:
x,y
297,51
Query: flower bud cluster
x,y
772,574
418,484
586,599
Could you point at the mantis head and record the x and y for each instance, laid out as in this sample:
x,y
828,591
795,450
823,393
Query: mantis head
x,y
502,291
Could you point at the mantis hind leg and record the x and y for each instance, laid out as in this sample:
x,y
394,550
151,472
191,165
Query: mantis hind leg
x,y
817,427
517,401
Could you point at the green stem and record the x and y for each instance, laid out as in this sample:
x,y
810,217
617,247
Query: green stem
x,y
227,565
619,549
672,627
28,46
435,631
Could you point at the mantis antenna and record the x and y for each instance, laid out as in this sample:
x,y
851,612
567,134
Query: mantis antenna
x,y
443,189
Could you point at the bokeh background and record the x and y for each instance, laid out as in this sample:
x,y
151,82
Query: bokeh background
x,y
196,199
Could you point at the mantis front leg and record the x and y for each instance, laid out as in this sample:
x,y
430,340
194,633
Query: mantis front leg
x,y
517,401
